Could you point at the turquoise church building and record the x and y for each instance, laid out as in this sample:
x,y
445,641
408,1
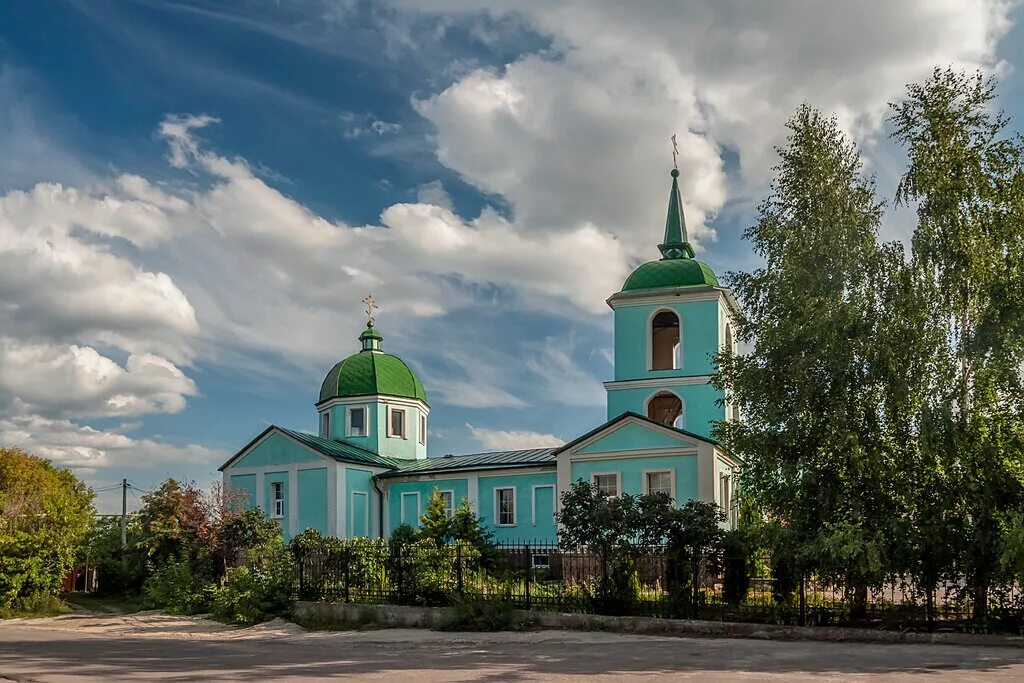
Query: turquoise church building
x,y
367,470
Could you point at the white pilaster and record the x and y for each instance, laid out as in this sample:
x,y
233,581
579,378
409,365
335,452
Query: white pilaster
x,y
342,502
293,502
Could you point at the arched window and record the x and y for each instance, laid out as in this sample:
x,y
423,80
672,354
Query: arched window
x,y
666,408
665,341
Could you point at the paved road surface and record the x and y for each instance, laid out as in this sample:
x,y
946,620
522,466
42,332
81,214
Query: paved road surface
x,y
158,647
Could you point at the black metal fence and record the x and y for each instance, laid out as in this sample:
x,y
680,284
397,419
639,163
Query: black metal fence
x,y
546,577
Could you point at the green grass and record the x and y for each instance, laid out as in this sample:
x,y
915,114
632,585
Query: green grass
x,y
35,608
105,604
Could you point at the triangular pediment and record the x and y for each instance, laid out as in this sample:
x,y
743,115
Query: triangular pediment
x,y
633,433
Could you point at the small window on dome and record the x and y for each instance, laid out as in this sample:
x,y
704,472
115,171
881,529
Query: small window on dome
x,y
396,423
357,421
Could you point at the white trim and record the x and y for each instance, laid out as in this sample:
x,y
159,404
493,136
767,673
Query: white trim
x,y
352,498
618,480
650,340
533,501
671,472
682,405
639,453
474,472
270,432
687,294
405,423
293,509
375,398
473,492
348,420
401,508
497,511
688,380
332,502
691,441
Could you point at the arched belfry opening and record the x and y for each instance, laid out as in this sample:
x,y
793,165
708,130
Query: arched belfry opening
x,y
666,341
666,408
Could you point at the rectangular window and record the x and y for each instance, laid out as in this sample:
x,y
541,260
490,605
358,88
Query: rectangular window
x,y
660,482
505,506
541,561
423,429
397,422
357,421
277,499
325,425
607,484
449,502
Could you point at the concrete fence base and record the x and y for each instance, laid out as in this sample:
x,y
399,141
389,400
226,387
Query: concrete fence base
x,y
341,615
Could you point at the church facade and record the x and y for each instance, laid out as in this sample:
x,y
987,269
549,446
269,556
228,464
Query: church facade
x,y
367,470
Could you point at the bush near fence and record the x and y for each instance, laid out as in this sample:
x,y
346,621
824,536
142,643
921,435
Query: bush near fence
x,y
547,577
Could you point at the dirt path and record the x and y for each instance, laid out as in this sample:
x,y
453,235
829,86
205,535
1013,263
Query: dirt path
x,y
155,646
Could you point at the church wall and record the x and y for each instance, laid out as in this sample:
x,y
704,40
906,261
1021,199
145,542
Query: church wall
x,y
700,406
245,484
339,425
277,449
311,499
419,493
524,530
699,330
631,472
361,506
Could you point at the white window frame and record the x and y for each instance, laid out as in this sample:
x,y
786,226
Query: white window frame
x,y
671,478
348,420
352,507
533,501
325,424
449,510
405,422
543,563
275,502
401,508
422,429
618,480
497,506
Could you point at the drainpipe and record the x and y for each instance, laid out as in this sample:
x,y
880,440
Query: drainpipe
x,y
380,508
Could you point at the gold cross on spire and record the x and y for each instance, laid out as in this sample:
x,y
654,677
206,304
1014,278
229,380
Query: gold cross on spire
x,y
675,152
370,306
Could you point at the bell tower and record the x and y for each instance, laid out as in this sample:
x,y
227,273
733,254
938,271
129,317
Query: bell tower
x,y
671,318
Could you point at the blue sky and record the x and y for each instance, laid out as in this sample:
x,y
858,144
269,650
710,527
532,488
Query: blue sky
x,y
195,197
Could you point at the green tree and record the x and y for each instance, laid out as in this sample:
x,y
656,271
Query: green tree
x,y
436,523
45,517
965,178
809,389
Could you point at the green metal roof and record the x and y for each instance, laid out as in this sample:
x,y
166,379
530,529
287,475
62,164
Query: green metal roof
x,y
372,372
474,461
670,273
339,450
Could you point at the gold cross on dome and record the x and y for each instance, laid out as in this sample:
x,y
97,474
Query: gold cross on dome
x,y
675,152
370,306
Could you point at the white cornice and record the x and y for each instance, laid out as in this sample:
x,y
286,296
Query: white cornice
x,y
636,453
374,398
682,294
614,385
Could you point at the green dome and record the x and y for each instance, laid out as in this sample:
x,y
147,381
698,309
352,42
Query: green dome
x,y
372,371
668,273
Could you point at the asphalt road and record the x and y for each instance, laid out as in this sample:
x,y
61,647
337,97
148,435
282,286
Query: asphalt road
x,y
104,649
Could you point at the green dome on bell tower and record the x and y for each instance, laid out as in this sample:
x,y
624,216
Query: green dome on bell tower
x,y
677,266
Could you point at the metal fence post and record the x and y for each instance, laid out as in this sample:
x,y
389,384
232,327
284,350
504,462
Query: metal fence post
x,y
803,602
529,574
458,567
347,558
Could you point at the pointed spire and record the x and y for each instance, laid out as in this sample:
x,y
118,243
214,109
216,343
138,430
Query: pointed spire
x,y
676,244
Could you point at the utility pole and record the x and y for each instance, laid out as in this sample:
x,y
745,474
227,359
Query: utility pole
x,y
124,514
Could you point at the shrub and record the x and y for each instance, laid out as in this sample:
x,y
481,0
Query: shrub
x,y
474,614
259,591
175,588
